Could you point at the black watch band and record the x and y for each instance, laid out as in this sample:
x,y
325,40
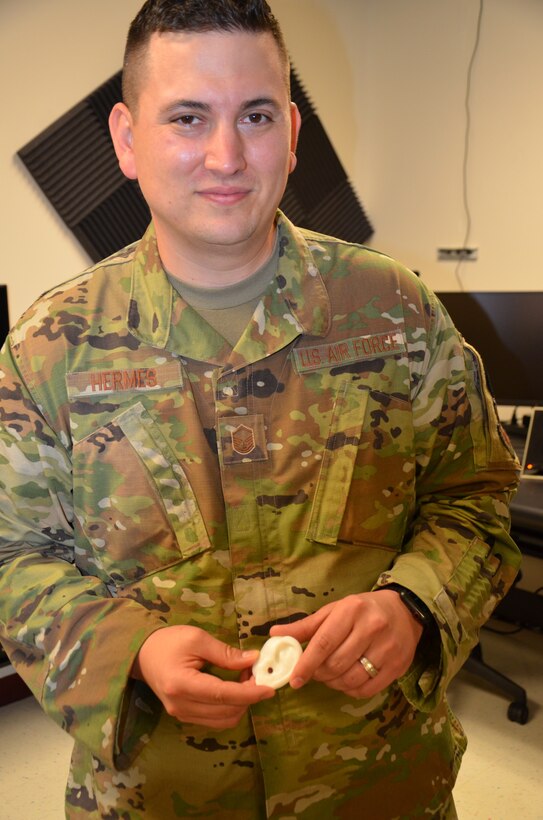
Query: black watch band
x,y
416,607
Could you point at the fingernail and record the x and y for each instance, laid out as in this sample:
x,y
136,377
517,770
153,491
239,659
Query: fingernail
x,y
297,683
250,653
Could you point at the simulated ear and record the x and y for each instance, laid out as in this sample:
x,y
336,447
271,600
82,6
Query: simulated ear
x,y
120,127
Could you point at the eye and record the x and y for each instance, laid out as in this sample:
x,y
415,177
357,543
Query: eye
x,y
188,120
256,118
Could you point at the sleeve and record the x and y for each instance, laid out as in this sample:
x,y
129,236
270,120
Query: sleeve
x,y
70,640
458,558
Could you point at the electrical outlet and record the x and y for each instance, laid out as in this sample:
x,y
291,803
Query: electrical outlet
x,y
457,254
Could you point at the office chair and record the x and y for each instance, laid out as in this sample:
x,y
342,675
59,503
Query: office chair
x,y
518,708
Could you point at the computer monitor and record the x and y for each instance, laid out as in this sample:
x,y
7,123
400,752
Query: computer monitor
x,y
506,327
4,314
532,464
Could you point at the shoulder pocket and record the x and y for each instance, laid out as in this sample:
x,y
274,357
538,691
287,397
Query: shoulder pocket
x,y
490,445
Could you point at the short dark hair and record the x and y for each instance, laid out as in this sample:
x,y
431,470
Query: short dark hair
x,y
195,16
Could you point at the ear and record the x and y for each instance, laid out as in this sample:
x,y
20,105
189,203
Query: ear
x,y
121,130
295,125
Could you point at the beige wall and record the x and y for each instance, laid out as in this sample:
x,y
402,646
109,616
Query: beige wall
x,y
388,78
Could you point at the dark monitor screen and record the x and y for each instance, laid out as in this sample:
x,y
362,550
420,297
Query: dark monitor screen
x,y
506,328
4,317
533,456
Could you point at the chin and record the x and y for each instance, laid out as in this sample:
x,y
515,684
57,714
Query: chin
x,y
226,236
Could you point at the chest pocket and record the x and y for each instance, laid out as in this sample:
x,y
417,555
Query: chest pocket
x,y
133,501
338,464
365,489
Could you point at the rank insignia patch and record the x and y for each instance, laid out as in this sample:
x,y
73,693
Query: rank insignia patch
x,y
243,440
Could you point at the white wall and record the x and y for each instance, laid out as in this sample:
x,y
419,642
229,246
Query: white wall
x,y
388,78
52,54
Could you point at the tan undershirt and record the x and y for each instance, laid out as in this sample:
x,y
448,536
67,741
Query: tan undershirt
x,y
229,309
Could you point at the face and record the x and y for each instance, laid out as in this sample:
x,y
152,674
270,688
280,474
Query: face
x,y
210,142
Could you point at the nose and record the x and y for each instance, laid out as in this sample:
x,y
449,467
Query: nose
x,y
225,150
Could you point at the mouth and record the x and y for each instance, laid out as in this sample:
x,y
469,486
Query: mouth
x,y
222,195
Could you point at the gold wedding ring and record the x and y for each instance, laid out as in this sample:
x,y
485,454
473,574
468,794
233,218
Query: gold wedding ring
x,y
369,667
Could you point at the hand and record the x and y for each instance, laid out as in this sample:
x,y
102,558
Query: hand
x,y
170,662
375,624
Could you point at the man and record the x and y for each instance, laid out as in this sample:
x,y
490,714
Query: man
x,y
237,428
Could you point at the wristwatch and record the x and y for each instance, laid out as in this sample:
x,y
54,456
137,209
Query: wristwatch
x,y
416,607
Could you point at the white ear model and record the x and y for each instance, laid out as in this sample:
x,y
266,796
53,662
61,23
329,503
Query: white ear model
x,y
277,659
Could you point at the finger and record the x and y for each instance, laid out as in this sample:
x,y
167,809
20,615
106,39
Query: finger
x,y
342,661
223,655
212,691
205,715
304,628
387,671
320,648
246,675
358,684
370,687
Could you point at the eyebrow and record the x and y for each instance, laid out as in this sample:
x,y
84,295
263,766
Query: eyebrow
x,y
258,102
198,105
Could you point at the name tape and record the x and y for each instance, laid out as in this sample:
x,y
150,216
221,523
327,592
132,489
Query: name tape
x,y
355,349
100,382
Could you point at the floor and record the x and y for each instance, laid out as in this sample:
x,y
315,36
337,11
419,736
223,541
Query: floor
x,y
501,777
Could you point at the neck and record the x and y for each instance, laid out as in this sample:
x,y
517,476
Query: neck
x,y
226,265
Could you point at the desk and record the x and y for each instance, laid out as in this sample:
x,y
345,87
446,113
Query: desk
x,y
519,605
527,506
527,516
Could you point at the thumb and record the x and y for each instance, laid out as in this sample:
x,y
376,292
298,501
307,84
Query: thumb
x,y
228,657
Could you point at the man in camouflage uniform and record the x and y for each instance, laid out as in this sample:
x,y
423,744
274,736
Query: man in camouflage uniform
x,y
327,464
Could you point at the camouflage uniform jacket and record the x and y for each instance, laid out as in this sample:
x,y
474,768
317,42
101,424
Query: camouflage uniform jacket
x,y
153,475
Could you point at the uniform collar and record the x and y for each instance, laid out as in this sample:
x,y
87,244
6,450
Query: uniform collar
x,y
295,304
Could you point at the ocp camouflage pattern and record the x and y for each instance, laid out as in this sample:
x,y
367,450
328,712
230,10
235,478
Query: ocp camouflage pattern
x,y
152,475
